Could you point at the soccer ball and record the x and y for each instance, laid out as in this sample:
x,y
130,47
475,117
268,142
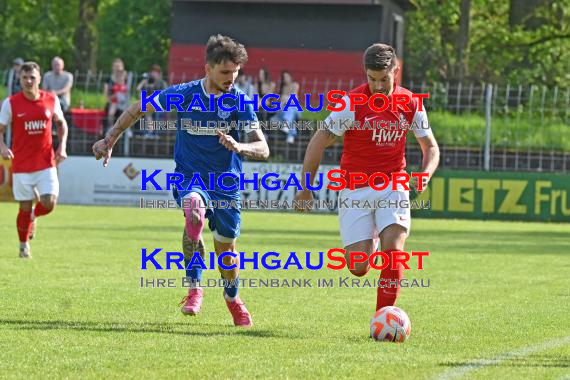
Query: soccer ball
x,y
390,324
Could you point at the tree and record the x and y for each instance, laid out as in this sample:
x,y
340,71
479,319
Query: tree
x,y
37,30
136,31
86,36
481,40
463,40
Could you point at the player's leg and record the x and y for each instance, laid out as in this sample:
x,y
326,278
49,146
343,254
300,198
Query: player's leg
x,y
47,186
225,226
394,224
367,247
357,230
192,242
23,189
240,314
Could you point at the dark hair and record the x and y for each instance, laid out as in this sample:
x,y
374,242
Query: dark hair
x,y
282,81
380,57
29,66
222,48
266,78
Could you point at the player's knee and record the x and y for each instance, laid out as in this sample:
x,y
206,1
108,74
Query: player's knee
x,y
229,260
48,203
393,237
360,269
195,217
194,223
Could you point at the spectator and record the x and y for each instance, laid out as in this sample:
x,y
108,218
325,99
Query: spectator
x,y
152,82
59,82
264,86
243,82
287,88
13,80
116,91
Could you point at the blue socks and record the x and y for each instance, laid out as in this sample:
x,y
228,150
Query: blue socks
x,y
195,272
231,288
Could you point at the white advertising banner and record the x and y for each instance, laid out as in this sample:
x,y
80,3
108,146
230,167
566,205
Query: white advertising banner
x,y
85,181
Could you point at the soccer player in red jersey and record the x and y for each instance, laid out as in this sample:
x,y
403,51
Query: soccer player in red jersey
x,y
33,160
375,142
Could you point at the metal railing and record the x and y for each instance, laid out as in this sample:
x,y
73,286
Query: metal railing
x,y
478,125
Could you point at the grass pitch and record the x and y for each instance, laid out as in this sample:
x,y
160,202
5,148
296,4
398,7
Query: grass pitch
x,y
498,305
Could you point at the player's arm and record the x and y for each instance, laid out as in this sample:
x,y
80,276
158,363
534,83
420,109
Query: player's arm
x,y
430,160
103,148
256,148
321,140
429,147
62,130
5,119
5,152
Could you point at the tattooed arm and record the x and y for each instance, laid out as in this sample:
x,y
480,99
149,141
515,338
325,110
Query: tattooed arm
x,y
256,148
103,148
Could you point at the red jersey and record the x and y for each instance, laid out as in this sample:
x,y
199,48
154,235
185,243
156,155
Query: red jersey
x,y
31,130
376,141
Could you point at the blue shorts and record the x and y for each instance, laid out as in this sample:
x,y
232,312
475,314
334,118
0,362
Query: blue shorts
x,y
224,221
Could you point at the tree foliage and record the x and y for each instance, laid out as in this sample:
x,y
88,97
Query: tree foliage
x,y
504,45
136,31
518,41
37,30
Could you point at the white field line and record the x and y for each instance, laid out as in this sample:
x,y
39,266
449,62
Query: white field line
x,y
457,372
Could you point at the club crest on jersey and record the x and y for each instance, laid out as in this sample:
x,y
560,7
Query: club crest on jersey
x,y
48,114
224,114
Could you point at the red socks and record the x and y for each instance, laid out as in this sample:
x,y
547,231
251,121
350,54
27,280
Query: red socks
x,y
387,295
24,220
40,210
24,223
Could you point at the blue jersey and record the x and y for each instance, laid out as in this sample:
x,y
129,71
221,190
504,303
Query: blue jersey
x,y
197,149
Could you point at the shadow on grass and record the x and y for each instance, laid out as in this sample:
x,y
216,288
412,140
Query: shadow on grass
x,y
146,327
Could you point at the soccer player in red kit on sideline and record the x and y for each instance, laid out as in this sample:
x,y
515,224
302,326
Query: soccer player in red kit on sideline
x,y
33,160
376,149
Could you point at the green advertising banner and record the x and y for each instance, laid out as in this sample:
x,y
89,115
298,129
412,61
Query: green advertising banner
x,y
497,195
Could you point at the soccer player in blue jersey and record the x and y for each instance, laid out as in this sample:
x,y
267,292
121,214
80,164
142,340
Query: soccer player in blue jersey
x,y
203,151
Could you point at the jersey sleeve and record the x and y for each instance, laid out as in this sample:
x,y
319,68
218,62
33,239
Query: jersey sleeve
x,y
338,122
6,112
420,124
57,108
247,119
